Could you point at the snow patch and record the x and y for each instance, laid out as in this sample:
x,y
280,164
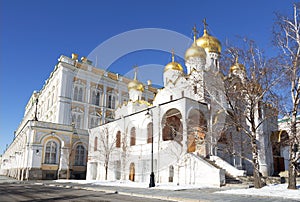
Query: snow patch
x,y
272,190
128,183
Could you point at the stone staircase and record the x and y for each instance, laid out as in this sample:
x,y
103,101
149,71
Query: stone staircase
x,y
229,179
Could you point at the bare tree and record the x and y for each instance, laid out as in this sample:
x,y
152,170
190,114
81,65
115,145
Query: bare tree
x,y
287,39
248,94
107,146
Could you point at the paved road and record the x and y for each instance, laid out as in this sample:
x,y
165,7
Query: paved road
x,y
12,190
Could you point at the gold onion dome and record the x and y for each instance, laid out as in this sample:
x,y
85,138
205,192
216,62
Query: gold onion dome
x,y
208,42
195,50
135,84
173,65
237,66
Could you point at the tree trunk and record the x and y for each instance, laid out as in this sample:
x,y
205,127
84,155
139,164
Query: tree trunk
x,y
292,156
292,172
258,183
106,169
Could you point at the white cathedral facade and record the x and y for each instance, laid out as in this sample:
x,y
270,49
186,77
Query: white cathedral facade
x,y
179,135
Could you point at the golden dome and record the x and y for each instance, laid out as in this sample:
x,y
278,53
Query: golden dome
x,y
194,50
237,66
173,65
209,43
135,84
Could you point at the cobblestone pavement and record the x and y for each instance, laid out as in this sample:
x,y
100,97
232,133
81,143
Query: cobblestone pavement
x,y
204,195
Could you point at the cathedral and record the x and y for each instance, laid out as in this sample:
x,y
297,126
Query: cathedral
x,y
179,137
89,123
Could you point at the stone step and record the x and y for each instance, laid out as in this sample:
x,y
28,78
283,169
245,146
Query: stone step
x,y
229,179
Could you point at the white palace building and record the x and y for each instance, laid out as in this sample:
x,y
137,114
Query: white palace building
x,y
51,141
89,123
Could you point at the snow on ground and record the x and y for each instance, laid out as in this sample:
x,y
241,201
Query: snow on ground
x,y
128,183
273,190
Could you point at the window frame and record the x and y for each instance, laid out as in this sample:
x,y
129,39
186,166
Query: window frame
x,y
51,157
80,155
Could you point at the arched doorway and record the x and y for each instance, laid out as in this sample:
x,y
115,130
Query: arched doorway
x,y
172,126
280,150
197,128
131,172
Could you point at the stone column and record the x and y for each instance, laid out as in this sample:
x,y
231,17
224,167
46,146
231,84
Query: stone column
x,y
64,94
104,103
184,129
86,106
263,157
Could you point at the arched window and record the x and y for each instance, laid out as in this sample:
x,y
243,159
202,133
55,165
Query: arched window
x,y
80,155
96,144
131,171
97,99
80,95
94,98
172,126
75,97
172,129
51,153
132,136
111,102
149,132
118,139
196,131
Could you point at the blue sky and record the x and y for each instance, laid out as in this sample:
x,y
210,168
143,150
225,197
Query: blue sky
x,y
34,33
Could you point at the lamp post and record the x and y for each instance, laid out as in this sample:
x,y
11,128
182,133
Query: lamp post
x,y
152,178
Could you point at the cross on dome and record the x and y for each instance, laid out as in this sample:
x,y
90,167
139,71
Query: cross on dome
x,y
135,67
195,31
204,23
173,55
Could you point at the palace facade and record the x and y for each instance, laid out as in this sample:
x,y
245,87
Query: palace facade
x,y
51,141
